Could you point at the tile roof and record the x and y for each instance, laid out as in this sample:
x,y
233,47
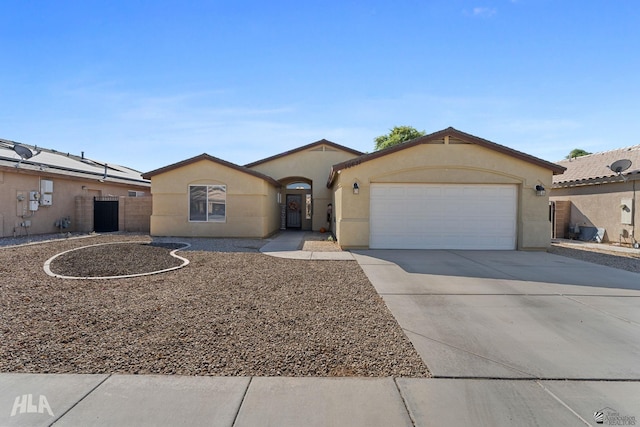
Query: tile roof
x,y
440,135
303,148
593,167
59,163
205,156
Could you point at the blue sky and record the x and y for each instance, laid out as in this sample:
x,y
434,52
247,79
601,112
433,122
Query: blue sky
x,y
149,83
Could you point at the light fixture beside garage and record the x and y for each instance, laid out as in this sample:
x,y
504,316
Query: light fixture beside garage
x,y
356,188
540,191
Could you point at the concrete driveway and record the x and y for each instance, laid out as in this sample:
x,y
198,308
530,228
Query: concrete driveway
x,y
509,327
494,314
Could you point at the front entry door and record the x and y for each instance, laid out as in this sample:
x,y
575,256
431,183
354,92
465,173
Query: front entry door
x,y
294,209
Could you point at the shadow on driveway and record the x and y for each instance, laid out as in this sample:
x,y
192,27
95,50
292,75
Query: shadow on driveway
x,y
540,267
507,314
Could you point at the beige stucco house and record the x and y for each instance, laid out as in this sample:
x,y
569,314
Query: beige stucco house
x,y
447,190
591,196
46,191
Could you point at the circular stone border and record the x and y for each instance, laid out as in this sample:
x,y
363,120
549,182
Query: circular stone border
x,y
185,262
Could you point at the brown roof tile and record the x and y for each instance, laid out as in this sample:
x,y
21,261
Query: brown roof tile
x,y
458,136
305,147
581,170
206,156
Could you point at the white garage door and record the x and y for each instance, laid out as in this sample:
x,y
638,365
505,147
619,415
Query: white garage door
x,y
443,216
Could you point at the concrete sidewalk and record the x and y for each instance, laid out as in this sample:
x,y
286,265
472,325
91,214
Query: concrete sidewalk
x,y
287,244
150,400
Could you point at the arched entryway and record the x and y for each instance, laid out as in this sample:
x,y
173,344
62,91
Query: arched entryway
x,y
296,203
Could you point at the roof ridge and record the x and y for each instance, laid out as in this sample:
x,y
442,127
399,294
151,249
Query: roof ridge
x,y
302,148
628,148
68,154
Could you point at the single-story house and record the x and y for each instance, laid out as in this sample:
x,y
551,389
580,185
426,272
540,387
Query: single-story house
x,y
46,191
598,191
446,190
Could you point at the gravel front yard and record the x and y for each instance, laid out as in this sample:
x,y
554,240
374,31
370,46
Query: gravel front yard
x,y
602,255
224,314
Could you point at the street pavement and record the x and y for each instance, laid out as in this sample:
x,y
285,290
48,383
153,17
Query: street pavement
x,y
511,338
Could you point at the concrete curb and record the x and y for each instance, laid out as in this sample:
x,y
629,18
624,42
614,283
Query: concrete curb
x,y
47,264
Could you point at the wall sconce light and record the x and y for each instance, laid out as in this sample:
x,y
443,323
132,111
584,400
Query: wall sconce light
x,y
356,188
540,191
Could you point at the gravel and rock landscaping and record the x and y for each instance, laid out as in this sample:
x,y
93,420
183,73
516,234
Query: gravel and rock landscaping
x,y
231,311
606,255
226,313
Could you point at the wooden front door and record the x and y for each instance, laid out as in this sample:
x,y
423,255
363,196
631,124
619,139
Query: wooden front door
x,y
294,210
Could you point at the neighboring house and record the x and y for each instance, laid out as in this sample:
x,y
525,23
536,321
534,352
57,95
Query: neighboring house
x,y
446,190
46,191
590,195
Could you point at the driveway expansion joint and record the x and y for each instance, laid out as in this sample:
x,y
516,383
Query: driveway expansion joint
x,y
601,311
560,401
468,352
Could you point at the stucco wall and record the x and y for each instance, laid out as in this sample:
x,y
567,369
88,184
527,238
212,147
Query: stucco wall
x,y
444,163
313,164
251,202
599,206
17,184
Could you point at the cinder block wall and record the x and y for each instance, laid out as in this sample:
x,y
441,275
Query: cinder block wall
x,y
135,214
84,214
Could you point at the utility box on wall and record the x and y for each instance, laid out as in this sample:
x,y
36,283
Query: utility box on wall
x,y
46,186
46,200
46,189
626,209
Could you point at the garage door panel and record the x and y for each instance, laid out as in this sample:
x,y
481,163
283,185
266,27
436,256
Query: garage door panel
x,y
436,216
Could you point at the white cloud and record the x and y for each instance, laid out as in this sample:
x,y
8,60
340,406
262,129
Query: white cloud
x,y
481,12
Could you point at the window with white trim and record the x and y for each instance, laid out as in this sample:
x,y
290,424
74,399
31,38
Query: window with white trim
x,y
208,203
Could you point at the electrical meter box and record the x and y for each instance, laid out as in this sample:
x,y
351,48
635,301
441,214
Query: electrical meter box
x,y
33,205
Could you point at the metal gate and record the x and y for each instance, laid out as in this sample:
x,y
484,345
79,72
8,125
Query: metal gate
x,y
105,214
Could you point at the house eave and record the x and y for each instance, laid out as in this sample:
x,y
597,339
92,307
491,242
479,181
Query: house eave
x,y
448,132
40,169
610,179
303,148
207,157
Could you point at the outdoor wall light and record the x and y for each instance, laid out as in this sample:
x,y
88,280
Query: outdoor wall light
x,y
356,189
540,190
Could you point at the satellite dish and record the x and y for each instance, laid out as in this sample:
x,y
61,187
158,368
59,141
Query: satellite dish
x,y
23,151
620,166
